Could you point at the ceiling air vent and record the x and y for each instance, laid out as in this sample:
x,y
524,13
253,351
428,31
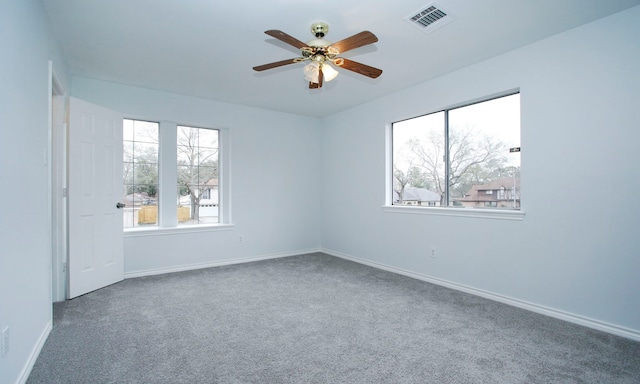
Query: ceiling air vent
x,y
429,18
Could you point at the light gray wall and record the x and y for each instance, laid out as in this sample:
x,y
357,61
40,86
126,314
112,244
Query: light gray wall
x,y
578,248
25,245
275,185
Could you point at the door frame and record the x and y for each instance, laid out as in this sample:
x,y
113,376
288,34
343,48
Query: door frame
x,y
57,160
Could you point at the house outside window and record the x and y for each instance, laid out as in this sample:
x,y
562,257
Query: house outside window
x,y
460,155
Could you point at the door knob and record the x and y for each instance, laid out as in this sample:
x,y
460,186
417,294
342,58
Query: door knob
x,y
120,205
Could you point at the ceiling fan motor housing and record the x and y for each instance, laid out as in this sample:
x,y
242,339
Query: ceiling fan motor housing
x,y
318,43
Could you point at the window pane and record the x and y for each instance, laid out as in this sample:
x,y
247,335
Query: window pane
x,y
208,157
140,173
145,131
127,173
483,171
187,137
208,138
145,174
418,161
127,151
185,157
146,152
127,130
197,175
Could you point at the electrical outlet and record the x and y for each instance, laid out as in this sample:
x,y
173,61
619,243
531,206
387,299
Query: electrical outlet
x,y
433,252
240,239
4,341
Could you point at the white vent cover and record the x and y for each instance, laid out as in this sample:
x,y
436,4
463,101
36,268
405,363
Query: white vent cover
x,y
430,18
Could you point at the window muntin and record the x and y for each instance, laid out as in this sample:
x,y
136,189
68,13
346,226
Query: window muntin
x,y
197,175
140,173
476,143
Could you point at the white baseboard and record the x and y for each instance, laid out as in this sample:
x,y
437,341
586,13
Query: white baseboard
x,y
188,267
551,312
35,352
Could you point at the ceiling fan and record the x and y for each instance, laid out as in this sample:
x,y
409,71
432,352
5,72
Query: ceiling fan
x,y
321,53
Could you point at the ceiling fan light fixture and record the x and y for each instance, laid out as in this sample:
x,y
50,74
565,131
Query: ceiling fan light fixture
x,y
329,72
312,70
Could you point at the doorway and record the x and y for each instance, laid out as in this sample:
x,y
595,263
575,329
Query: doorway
x,y
57,160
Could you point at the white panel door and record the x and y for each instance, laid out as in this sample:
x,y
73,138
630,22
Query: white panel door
x,y
95,188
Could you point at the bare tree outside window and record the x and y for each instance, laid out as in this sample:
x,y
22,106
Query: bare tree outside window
x,y
480,154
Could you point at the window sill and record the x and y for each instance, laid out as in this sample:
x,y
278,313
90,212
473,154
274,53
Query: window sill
x,y
159,231
482,213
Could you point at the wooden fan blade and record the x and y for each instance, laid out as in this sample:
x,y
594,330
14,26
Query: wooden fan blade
x,y
285,38
360,68
313,85
274,65
355,41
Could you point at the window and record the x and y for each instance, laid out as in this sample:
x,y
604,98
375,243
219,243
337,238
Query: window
x,y
501,193
457,157
172,177
197,175
140,173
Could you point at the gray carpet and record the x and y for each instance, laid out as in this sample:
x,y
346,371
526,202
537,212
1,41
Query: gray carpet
x,y
316,319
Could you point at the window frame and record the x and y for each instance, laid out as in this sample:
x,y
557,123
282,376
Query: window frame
x,y
447,210
167,181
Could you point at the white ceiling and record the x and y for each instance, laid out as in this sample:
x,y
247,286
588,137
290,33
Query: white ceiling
x,y
207,48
